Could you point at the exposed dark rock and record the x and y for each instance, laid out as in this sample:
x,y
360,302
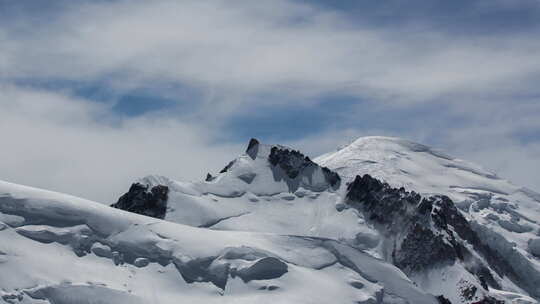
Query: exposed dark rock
x,y
227,167
449,214
292,162
209,177
468,292
427,232
381,202
292,165
139,200
422,249
443,300
253,148
331,177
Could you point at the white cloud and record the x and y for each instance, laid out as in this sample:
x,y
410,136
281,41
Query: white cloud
x,y
231,52
244,47
60,143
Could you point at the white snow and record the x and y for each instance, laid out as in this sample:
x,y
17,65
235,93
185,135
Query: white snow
x,y
43,259
506,216
499,207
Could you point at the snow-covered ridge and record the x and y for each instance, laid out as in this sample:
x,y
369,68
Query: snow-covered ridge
x,y
496,208
505,216
275,226
56,248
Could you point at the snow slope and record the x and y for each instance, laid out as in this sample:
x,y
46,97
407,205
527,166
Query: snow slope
x,y
56,248
264,204
496,206
248,195
276,227
505,216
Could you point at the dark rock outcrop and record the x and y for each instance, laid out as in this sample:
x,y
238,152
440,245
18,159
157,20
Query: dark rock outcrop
x,y
253,148
422,249
139,199
443,300
227,167
291,165
426,232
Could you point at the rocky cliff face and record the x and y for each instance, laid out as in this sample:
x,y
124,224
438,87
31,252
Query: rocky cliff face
x,y
294,167
428,233
142,200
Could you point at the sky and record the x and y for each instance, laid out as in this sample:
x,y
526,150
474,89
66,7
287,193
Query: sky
x,y
95,94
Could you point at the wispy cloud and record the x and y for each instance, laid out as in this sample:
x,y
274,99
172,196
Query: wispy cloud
x,y
245,47
461,76
75,146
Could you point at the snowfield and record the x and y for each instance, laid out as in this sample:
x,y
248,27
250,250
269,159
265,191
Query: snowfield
x,y
273,227
61,249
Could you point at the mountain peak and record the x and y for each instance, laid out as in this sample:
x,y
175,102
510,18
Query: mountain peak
x,y
455,230
385,143
263,165
253,148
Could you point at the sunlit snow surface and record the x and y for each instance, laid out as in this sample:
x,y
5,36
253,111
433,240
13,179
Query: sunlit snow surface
x,y
44,258
56,248
505,216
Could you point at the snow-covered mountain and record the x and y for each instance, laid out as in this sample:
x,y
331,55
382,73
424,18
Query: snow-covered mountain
x,y
505,217
61,249
382,220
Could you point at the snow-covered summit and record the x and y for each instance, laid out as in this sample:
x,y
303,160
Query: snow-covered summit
x,y
505,216
408,164
248,195
276,227
270,169
265,189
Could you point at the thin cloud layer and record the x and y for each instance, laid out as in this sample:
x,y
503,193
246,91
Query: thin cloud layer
x,y
248,48
466,83
74,146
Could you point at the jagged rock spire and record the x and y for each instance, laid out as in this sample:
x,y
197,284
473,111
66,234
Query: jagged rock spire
x,y
253,148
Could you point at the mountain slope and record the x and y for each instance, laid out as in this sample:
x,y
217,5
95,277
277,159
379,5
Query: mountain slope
x,y
506,217
488,223
382,220
56,248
